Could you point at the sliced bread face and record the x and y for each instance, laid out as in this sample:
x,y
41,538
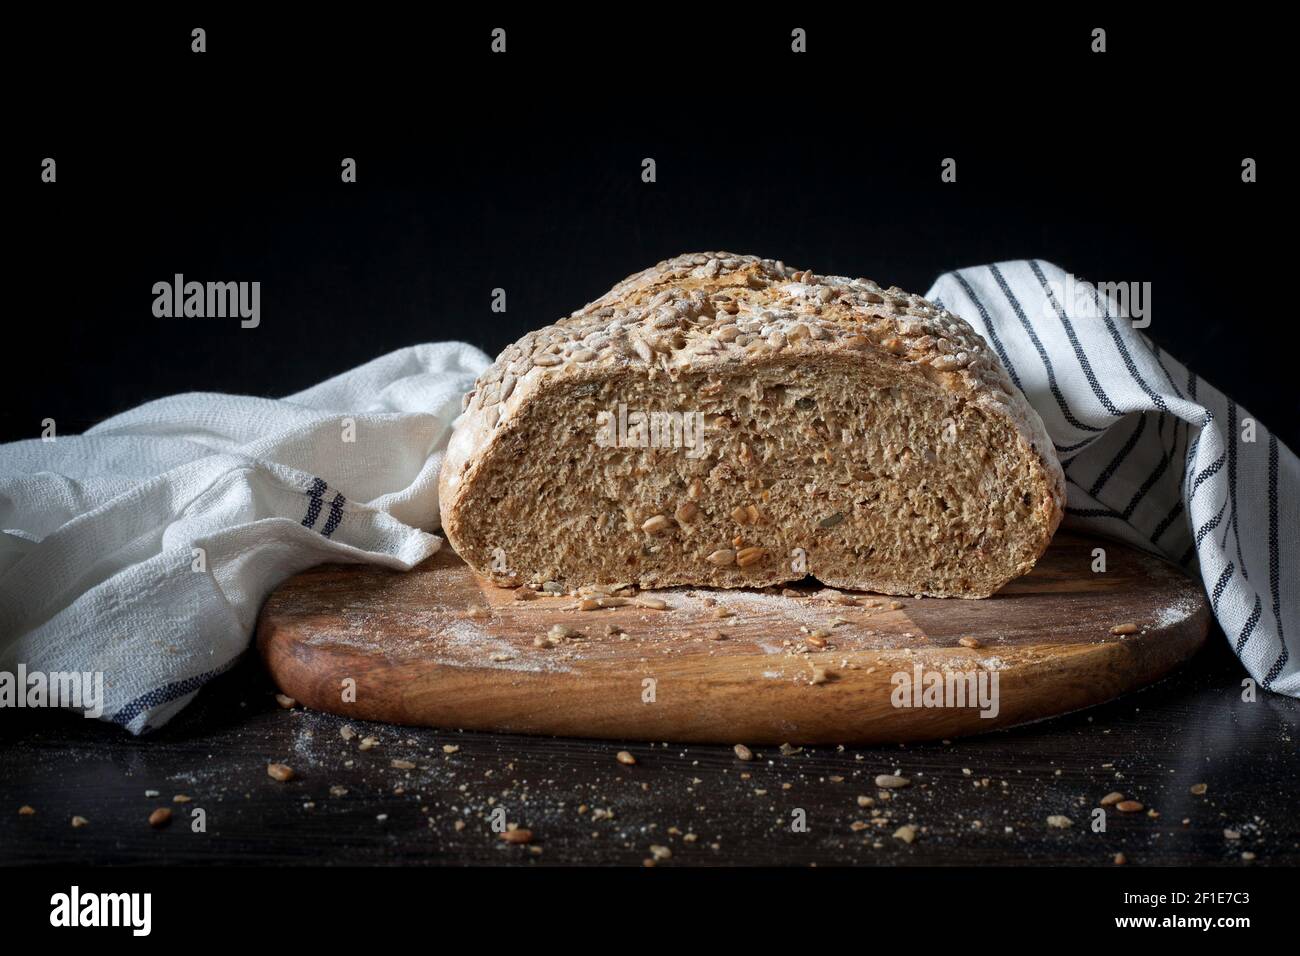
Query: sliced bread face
x,y
723,420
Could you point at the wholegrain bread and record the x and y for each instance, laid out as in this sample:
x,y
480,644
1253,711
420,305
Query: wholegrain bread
x,y
723,420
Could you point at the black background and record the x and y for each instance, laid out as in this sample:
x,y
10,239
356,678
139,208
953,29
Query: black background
x,y
522,171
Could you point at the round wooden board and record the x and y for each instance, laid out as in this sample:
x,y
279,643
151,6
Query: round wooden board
x,y
417,657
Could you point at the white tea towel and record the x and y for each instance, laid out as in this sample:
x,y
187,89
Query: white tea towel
x,y
1152,454
144,548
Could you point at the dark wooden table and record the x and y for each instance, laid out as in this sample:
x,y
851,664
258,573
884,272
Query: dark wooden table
x,y
981,800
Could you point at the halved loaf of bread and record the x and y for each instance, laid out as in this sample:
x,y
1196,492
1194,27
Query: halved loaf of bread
x,y
724,420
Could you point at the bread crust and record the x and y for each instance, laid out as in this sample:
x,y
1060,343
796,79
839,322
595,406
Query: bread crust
x,y
717,310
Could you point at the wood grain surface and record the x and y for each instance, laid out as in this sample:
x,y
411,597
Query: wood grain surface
x,y
418,654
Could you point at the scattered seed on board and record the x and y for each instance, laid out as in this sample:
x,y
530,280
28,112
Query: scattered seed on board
x,y
367,743
865,801
743,752
1112,798
450,748
401,764
626,758
26,811
80,822
279,771
517,835
969,642
1124,629
752,555
722,558
652,603
285,701
1120,859
1129,806
1059,821
1198,789
346,732
182,798
888,781
660,852
160,817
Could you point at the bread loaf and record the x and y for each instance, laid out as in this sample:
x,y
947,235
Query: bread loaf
x,y
728,421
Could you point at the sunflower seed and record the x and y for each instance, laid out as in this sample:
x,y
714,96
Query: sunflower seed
x,y
656,524
888,781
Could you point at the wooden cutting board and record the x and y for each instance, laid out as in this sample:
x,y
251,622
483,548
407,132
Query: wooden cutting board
x,y
417,655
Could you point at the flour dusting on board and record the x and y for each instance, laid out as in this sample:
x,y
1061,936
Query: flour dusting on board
x,y
465,635
1177,611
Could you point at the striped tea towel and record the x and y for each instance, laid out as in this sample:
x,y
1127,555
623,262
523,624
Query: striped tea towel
x,y
1152,454
142,550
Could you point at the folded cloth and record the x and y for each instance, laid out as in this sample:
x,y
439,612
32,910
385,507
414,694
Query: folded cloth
x,y
143,549
1152,454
